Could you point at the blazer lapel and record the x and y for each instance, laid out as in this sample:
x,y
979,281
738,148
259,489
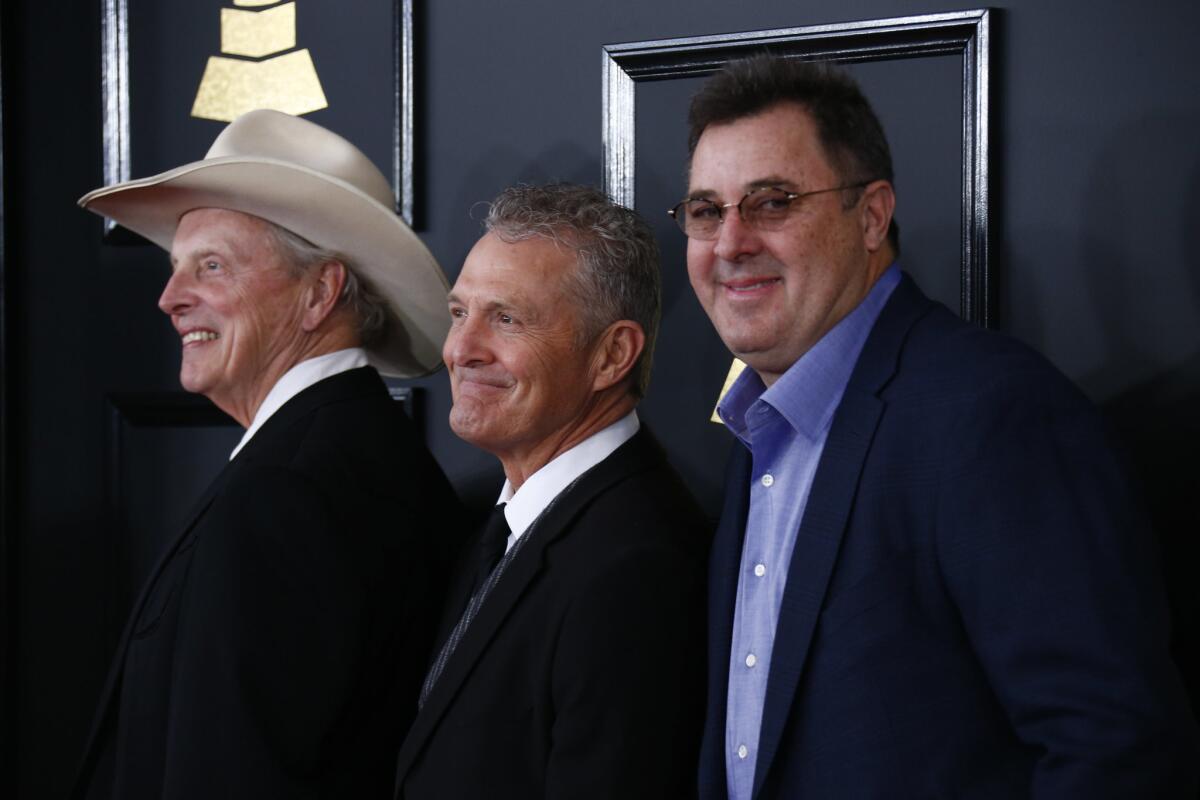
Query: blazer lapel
x,y
829,505
342,385
636,455
113,682
303,403
723,570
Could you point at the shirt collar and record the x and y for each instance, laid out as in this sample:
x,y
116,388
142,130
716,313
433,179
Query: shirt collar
x,y
539,489
297,379
808,394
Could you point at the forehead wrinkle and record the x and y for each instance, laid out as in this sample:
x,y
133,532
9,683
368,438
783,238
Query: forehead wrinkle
x,y
238,238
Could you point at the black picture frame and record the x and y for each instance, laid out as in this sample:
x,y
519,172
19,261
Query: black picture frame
x,y
8,732
966,33
115,96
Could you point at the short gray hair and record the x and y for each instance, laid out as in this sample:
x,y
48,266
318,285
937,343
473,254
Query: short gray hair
x,y
618,276
371,311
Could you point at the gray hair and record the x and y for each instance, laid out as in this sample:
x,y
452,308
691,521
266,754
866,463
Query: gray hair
x,y
618,276
370,310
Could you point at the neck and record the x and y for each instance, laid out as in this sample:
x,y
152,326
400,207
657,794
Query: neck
x,y
243,406
604,411
879,261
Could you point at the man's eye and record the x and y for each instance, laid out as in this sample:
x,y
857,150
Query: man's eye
x,y
458,313
703,211
505,319
772,204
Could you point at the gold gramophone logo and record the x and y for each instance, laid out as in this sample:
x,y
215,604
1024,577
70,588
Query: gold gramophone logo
x,y
267,71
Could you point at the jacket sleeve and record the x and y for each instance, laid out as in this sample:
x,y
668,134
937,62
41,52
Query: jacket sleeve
x,y
1056,580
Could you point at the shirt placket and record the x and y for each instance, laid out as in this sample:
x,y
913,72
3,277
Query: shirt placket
x,y
751,652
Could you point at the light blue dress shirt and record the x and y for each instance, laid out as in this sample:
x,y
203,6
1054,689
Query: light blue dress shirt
x,y
785,428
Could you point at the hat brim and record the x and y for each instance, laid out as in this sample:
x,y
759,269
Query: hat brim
x,y
326,211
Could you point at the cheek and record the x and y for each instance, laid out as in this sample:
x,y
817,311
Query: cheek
x,y
268,317
699,270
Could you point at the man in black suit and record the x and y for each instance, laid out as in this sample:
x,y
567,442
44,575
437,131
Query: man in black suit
x,y
572,655
929,579
277,648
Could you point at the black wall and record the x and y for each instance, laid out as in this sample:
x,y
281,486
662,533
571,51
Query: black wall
x,y
1096,182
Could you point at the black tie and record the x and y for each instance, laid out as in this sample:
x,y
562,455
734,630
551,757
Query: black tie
x,y
491,545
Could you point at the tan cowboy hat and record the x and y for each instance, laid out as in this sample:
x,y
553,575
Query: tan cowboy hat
x,y
316,184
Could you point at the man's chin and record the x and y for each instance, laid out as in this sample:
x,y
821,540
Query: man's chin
x,y
766,362
470,423
194,383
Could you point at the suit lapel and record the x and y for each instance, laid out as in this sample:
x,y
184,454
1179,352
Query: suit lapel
x,y
342,385
303,403
113,682
830,502
638,454
723,568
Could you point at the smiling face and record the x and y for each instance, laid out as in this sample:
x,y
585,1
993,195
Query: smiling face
x,y
523,385
773,294
237,306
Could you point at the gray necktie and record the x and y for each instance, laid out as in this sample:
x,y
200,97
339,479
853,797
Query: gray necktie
x,y
480,592
491,553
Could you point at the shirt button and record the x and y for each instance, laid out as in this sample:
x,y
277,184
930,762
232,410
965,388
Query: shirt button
x,y
760,570
751,660
742,751
767,480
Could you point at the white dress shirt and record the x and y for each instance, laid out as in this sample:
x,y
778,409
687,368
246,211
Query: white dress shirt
x,y
524,506
299,378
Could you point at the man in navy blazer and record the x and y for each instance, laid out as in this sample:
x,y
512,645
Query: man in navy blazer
x,y
929,578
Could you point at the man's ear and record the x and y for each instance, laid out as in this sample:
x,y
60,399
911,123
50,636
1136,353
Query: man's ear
x,y
321,297
878,204
616,351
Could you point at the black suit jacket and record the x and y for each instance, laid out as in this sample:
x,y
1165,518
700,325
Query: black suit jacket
x,y
582,675
973,608
278,646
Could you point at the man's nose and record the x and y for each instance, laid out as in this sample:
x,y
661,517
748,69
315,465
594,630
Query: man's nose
x,y
177,297
735,238
467,342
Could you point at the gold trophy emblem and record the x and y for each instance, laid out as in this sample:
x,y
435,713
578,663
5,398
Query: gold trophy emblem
x,y
735,369
286,81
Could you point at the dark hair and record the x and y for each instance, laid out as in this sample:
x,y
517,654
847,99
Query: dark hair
x,y
847,127
618,275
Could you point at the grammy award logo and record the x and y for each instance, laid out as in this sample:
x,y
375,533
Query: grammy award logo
x,y
285,81
735,369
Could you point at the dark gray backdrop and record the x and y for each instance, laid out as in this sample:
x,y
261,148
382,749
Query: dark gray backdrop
x,y
1096,178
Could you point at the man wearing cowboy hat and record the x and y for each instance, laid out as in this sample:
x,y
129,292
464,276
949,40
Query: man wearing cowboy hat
x,y
278,646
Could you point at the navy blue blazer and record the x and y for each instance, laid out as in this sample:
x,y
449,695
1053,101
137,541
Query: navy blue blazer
x,y
973,607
